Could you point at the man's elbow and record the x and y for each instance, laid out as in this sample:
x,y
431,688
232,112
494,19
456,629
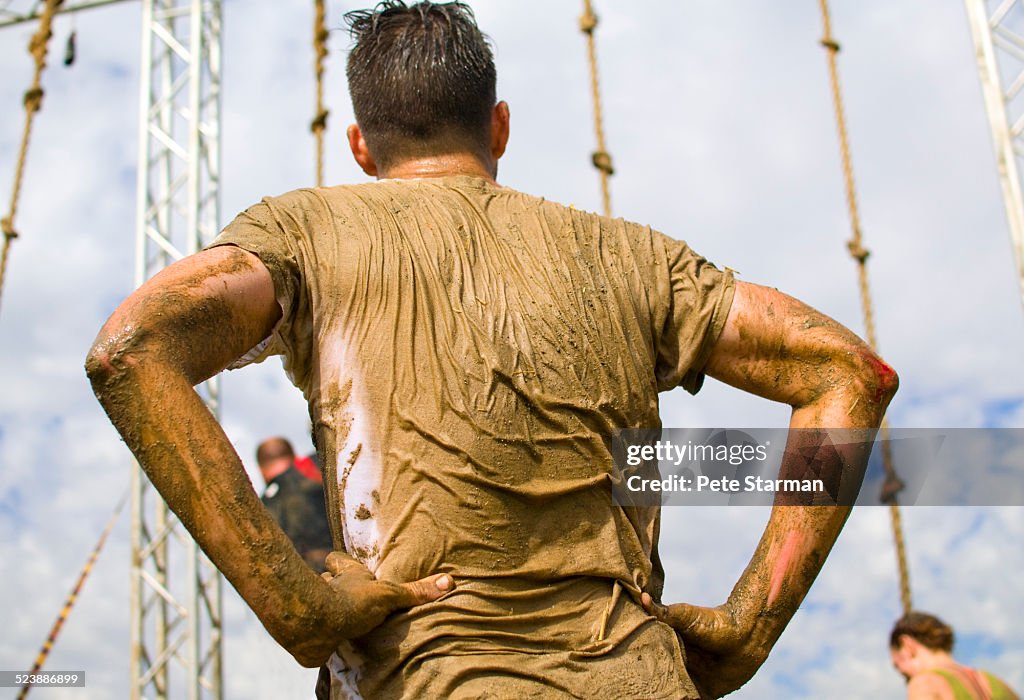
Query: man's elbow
x,y
111,359
98,367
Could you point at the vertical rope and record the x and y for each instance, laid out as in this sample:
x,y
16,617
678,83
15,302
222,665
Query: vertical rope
x,y
33,101
601,159
901,555
892,485
319,123
72,597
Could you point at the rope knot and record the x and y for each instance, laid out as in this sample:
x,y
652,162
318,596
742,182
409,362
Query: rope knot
x,y
890,489
37,45
857,251
33,99
602,160
7,226
588,22
830,44
320,37
319,122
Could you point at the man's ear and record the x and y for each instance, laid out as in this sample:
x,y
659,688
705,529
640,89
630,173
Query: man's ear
x,y
499,130
360,152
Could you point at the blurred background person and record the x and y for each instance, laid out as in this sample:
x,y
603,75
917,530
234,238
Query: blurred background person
x,y
921,646
295,498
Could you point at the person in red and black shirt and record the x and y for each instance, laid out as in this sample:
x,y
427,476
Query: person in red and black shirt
x,y
295,498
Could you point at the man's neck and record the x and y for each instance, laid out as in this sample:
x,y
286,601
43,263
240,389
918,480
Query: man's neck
x,y
443,165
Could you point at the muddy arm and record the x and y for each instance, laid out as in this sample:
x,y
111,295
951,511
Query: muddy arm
x,y
180,328
776,347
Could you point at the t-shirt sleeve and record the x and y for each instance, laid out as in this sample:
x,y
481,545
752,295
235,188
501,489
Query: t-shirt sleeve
x,y
699,298
269,232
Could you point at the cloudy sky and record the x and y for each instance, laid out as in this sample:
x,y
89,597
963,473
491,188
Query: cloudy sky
x,y
719,118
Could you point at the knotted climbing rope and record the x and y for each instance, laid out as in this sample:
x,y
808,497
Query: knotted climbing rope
x,y
319,123
601,159
33,101
892,485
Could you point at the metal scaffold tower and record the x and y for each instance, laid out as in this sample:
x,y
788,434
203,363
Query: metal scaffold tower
x,y
998,32
175,591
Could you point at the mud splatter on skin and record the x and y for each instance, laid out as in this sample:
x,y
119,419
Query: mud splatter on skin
x,y
800,359
832,380
164,338
786,562
805,359
152,321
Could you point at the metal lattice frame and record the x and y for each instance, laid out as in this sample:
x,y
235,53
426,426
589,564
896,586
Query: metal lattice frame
x,y
175,591
998,32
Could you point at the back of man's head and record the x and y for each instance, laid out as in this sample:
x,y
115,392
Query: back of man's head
x,y
926,629
272,450
422,80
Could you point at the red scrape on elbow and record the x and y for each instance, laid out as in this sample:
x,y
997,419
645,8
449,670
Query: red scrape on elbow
x,y
105,363
785,563
98,364
885,375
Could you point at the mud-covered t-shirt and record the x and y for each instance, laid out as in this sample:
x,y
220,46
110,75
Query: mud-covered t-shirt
x,y
468,353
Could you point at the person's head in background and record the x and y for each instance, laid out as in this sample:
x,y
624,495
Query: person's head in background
x,y
274,456
920,642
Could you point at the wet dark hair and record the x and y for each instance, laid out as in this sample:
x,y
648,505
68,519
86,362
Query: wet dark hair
x,y
926,629
421,78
